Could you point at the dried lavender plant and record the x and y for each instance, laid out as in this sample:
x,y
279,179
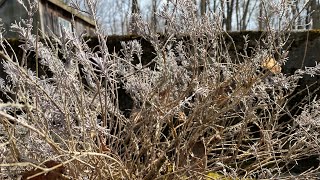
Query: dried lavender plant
x,y
203,108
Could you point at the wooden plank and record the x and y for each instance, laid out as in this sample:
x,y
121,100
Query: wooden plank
x,y
72,11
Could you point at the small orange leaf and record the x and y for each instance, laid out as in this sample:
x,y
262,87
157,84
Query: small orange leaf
x,y
272,65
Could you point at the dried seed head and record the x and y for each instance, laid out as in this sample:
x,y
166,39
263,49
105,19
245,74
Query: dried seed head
x,y
272,65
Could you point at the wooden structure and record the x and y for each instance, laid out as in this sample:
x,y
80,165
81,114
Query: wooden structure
x,y
51,16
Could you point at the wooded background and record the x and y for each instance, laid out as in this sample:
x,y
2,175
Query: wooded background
x,y
115,15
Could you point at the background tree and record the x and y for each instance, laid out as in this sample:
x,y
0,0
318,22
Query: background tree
x,y
236,14
134,11
153,15
230,7
116,18
315,14
203,7
244,20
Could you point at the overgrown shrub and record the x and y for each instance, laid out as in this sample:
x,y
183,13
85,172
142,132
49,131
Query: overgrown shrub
x,y
202,111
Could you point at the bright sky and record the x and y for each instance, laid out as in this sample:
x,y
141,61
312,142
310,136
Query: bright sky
x,y
144,3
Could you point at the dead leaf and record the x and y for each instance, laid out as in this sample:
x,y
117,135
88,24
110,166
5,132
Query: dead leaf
x,y
272,65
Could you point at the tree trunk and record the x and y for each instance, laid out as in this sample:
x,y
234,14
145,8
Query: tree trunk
x,y
134,10
153,16
238,15
260,21
203,7
243,23
315,14
214,6
230,5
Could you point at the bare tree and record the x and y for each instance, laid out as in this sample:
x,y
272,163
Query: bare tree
x,y
134,10
154,22
315,10
295,9
203,7
261,14
230,6
235,14
243,21
115,20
